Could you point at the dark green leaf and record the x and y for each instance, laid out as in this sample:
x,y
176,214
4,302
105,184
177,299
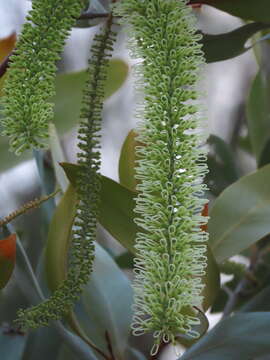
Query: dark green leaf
x,y
106,305
242,336
116,212
79,347
134,354
127,162
42,344
240,215
125,260
211,280
247,9
258,116
228,45
222,167
116,208
259,302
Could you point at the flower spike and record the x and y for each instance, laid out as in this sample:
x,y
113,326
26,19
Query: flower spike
x,y
170,168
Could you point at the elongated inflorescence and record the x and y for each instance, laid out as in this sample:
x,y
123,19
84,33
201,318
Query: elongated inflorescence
x,y
171,164
30,84
88,188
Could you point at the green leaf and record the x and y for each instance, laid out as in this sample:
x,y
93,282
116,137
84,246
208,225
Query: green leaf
x,y
228,45
134,354
7,259
222,167
58,238
116,212
240,215
211,280
11,344
125,260
242,336
260,302
79,347
42,344
127,162
258,114
247,9
69,88
116,208
106,305
57,157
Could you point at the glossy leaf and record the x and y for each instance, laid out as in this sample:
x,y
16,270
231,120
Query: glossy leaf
x,y
69,88
242,336
106,305
42,344
12,343
260,302
7,258
258,115
228,45
247,9
211,280
116,208
134,354
57,157
127,162
58,238
222,167
79,347
240,215
116,212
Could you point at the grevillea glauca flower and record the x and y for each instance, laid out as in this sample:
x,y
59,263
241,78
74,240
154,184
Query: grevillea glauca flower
x,y
170,168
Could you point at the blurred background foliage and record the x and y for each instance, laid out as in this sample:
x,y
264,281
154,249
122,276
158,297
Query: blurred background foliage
x,y
236,84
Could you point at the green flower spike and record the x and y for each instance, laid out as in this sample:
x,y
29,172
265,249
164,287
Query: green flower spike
x,y
30,84
171,165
